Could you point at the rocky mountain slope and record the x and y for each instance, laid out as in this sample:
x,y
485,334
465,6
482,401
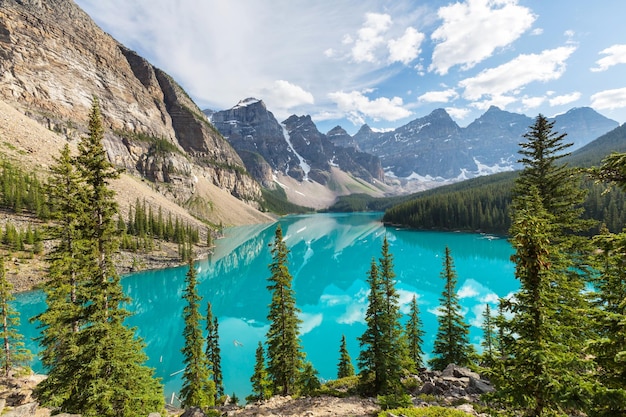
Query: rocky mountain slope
x,y
294,147
54,59
435,146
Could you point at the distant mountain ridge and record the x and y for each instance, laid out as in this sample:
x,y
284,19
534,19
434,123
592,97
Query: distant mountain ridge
x,y
435,146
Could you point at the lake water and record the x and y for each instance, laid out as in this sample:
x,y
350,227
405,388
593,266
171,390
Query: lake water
x,y
330,256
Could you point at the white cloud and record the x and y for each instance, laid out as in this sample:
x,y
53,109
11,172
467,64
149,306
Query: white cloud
x,y
565,99
500,101
609,99
439,96
458,113
358,106
283,96
370,37
406,48
537,32
309,322
515,74
471,31
615,54
532,102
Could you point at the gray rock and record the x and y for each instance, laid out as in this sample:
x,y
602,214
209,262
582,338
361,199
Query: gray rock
x,y
22,411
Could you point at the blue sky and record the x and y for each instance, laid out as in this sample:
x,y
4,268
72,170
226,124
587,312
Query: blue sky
x,y
385,62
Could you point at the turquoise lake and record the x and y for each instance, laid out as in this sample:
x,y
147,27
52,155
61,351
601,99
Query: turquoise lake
x,y
329,258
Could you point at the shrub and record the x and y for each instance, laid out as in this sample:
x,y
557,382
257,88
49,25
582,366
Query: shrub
x,y
423,412
387,402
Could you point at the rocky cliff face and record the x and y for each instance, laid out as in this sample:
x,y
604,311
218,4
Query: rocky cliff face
x,y
54,59
295,147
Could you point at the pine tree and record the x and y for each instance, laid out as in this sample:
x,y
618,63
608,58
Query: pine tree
x,y
308,382
452,340
260,379
488,342
384,353
104,373
198,389
284,350
213,353
414,335
13,353
345,367
542,374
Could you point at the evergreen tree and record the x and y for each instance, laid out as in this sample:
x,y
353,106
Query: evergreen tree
x,y
13,353
284,350
414,335
452,340
345,367
260,379
103,372
384,354
213,353
488,342
308,382
542,374
198,389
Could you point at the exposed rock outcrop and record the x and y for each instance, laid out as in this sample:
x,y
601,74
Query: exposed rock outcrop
x,y
54,59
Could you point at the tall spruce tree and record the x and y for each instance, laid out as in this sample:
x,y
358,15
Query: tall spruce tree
x,y
198,389
284,351
103,373
550,320
344,367
260,379
64,288
414,334
489,339
13,353
609,342
542,375
452,340
384,353
213,352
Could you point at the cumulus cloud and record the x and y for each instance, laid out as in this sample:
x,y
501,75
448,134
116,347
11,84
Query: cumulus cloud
x,y
283,96
515,74
458,113
370,37
609,99
471,31
532,102
357,105
615,55
407,47
565,99
439,96
500,101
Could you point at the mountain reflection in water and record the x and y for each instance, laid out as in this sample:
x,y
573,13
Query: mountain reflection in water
x,y
329,258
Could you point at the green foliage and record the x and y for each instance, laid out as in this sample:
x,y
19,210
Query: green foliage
x,y
391,401
341,388
452,340
94,363
414,334
489,338
260,379
22,192
344,367
384,353
213,352
284,350
308,382
198,388
13,353
423,412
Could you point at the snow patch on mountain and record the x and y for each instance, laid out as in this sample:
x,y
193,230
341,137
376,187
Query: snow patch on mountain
x,y
306,168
